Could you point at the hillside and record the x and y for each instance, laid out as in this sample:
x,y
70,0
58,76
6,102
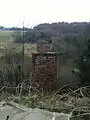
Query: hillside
x,y
52,31
57,31
61,33
60,29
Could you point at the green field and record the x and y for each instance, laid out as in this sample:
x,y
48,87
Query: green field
x,y
7,38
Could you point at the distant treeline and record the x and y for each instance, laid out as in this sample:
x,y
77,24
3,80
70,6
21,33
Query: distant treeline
x,y
55,31
13,28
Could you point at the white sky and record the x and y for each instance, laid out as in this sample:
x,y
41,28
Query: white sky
x,y
13,12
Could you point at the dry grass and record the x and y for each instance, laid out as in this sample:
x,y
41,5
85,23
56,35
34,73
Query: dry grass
x,y
7,39
69,102
57,103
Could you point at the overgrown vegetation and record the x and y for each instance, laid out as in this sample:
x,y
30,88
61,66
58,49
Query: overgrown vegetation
x,y
27,93
11,69
71,102
84,64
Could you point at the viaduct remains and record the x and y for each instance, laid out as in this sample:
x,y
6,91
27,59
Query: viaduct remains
x,y
44,66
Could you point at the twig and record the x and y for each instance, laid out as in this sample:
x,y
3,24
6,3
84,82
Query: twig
x,y
81,88
80,115
82,108
81,92
6,87
61,88
21,87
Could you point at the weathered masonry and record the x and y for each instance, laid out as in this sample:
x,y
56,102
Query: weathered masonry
x,y
44,48
44,70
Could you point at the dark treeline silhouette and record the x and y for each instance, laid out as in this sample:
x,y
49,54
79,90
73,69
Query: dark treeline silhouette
x,y
56,31
13,28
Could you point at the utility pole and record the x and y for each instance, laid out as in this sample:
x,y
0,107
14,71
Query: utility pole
x,y
23,53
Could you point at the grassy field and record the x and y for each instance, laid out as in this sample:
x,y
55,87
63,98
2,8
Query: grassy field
x,y
7,38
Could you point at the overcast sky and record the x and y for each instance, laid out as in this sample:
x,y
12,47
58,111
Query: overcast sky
x,y
33,12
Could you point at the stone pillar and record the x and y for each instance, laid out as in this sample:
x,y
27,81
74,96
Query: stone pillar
x,y
44,48
44,70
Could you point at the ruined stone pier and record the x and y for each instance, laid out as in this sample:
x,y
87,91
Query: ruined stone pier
x,y
44,67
